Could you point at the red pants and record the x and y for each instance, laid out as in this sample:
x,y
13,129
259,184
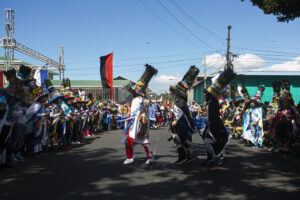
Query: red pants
x,y
130,150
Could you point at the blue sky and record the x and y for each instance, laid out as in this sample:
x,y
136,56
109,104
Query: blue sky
x,y
142,31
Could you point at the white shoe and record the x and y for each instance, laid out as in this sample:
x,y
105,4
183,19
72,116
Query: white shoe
x,y
149,161
128,161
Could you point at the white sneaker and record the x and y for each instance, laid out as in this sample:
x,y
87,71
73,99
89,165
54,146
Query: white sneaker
x,y
128,161
149,161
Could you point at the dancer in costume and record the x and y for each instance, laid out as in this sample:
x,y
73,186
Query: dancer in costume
x,y
182,125
223,106
18,115
253,122
239,116
270,133
229,115
4,128
36,116
216,136
56,114
284,120
137,129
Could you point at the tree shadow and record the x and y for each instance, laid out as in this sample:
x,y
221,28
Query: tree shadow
x,y
97,173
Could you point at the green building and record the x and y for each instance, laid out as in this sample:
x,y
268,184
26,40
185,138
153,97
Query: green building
x,y
250,81
95,88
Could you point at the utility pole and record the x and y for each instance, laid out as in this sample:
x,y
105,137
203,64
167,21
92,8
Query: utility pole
x,y
228,59
205,77
61,62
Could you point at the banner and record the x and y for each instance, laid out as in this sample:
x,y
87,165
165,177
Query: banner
x,y
106,72
40,75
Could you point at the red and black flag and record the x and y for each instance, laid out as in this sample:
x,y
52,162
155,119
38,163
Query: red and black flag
x,y
106,72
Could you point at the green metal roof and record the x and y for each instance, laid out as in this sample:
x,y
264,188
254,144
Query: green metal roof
x,y
17,61
92,83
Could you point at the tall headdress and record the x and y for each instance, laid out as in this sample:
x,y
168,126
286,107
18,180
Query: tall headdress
x,y
245,94
82,96
23,73
36,91
67,88
10,75
238,98
53,93
187,81
276,89
15,87
224,78
141,85
257,97
285,94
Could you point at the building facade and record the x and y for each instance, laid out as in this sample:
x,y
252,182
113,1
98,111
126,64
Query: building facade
x,y
95,88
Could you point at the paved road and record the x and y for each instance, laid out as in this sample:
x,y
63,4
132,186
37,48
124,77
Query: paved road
x,y
95,171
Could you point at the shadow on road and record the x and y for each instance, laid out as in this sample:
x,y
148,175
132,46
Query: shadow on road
x,y
81,173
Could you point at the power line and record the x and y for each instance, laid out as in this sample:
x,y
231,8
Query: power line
x,y
184,26
162,20
142,64
260,50
145,58
195,21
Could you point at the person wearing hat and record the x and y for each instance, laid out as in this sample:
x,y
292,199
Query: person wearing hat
x,y
76,137
16,96
229,115
84,132
182,125
253,122
36,116
137,129
4,128
239,115
56,114
216,136
18,115
285,118
269,128
68,110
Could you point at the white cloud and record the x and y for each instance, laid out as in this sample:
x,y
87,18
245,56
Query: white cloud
x,y
162,82
241,63
248,62
214,61
293,65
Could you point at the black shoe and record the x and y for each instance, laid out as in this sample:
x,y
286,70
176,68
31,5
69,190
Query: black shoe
x,y
208,163
220,160
181,160
182,157
190,158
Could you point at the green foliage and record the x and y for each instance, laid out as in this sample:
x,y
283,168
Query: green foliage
x,y
284,10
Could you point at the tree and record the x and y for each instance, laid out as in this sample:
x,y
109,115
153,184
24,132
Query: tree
x,y
284,10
